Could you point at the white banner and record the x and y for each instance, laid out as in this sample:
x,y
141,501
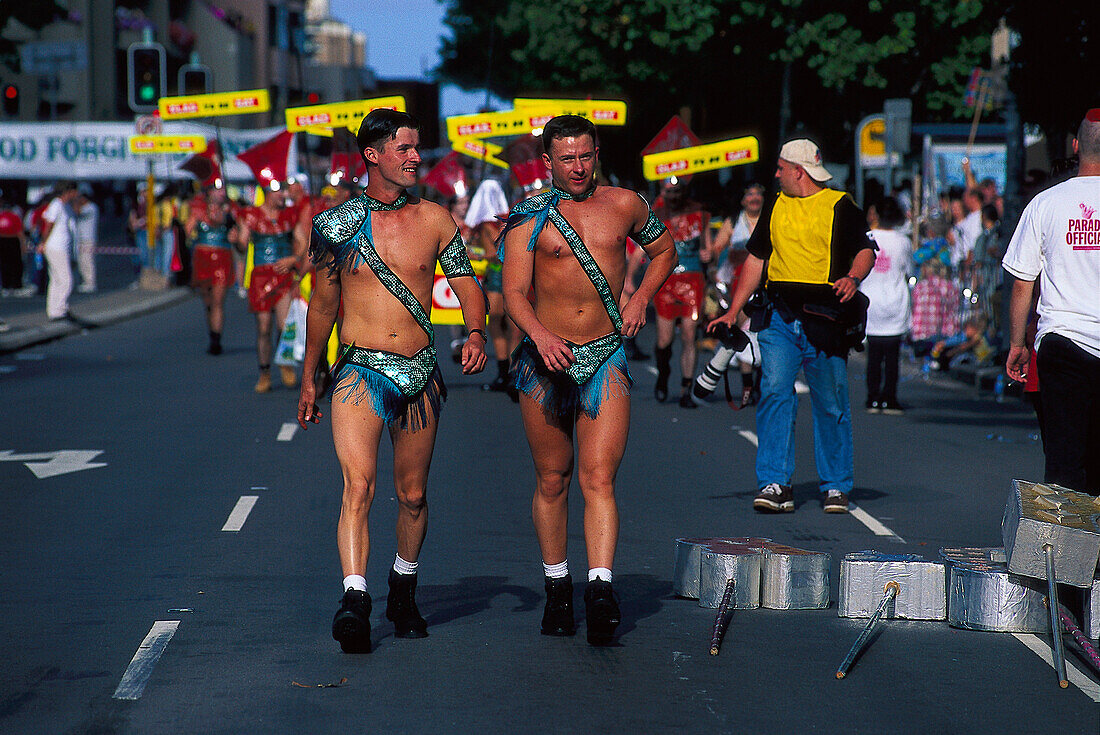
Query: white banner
x,y
97,151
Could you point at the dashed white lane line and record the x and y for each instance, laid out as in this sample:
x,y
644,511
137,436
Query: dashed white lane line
x,y
652,370
148,653
240,513
873,523
1040,648
286,433
749,437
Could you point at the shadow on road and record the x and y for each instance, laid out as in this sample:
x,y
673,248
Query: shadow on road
x,y
471,595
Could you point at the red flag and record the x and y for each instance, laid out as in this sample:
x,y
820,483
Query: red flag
x,y
675,134
448,177
525,157
268,160
204,166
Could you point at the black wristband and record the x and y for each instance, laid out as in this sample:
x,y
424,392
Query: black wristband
x,y
481,332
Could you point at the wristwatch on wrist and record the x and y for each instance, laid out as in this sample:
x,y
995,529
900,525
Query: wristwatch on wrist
x,y
857,279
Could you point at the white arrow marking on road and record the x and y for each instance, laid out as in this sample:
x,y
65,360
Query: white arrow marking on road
x,y
148,653
749,437
1042,650
286,433
240,512
60,462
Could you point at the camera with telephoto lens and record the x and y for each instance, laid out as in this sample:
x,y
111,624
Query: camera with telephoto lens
x,y
730,336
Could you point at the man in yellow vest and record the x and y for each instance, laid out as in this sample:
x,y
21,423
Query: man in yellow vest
x,y
814,244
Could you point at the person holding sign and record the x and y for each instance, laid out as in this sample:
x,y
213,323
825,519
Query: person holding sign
x,y
378,253
569,243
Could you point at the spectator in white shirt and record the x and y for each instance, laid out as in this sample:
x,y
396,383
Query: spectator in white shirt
x,y
57,247
87,227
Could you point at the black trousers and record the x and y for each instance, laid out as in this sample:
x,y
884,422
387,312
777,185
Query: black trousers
x,y
11,263
882,362
1069,393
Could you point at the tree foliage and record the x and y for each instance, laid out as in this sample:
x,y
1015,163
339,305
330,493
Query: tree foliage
x,y
724,59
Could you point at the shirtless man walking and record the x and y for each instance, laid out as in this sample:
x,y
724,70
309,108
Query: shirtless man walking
x,y
570,244
378,252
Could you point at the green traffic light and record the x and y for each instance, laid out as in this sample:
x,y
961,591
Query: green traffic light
x,y
147,93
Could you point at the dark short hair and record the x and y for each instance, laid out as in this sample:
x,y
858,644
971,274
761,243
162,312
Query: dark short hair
x,y
889,212
381,126
567,126
989,212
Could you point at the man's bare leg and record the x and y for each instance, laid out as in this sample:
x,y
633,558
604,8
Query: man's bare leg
x,y
412,456
551,442
601,442
356,431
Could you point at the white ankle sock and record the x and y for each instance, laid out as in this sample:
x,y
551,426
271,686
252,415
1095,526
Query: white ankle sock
x,y
599,573
556,571
355,582
404,567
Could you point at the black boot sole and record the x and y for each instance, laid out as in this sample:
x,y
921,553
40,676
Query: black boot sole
x,y
352,634
602,632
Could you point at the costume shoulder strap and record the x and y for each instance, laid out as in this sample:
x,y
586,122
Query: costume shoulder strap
x,y
335,231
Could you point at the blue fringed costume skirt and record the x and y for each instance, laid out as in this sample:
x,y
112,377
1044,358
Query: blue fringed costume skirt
x,y
600,366
405,392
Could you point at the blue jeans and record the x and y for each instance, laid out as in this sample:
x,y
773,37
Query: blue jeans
x,y
783,350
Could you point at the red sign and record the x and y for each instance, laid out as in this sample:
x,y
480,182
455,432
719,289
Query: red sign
x,y
675,134
475,129
242,103
183,108
671,168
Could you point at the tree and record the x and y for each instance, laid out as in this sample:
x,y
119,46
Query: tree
x,y
729,61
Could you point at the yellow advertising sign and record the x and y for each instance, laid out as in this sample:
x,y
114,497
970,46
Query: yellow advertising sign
x,y
871,139
215,105
167,144
338,114
481,150
527,118
600,112
699,158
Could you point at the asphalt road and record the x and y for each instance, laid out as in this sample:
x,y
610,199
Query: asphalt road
x,y
91,559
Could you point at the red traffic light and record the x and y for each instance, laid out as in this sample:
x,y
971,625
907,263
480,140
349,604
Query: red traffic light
x,y
313,98
11,91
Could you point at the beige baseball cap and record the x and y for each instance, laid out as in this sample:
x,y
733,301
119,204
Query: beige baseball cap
x,y
804,152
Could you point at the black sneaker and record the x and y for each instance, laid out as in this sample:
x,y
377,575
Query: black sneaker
x,y
401,607
351,625
557,616
660,389
601,612
873,406
892,408
774,498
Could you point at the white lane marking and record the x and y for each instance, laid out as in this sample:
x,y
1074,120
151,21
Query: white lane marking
x,y
240,513
30,356
148,653
652,369
873,523
286,433
749,437
59,462
1040,648
6,369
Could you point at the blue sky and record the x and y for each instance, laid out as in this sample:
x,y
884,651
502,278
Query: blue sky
x,y
403,38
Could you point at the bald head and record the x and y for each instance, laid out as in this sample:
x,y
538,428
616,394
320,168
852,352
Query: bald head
x,y
1088,137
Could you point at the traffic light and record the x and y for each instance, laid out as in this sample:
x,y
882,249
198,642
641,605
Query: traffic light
x,y
313,98
195,79
146,76
11,100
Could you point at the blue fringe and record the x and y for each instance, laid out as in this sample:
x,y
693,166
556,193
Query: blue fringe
x,y
524,211
357,382
345,255
560,396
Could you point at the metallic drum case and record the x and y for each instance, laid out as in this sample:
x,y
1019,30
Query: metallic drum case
x,y
1037,515
983,595
922,586
1092,610
794,579
685,575
720,561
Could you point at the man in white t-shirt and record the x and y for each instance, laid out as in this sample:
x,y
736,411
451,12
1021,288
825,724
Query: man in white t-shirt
x,y
966,231
1059,237
87,226
57,247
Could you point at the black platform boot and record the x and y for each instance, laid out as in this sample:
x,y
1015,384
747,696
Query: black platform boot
x,y
401,607
601,612
557,617
663,358
351,625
